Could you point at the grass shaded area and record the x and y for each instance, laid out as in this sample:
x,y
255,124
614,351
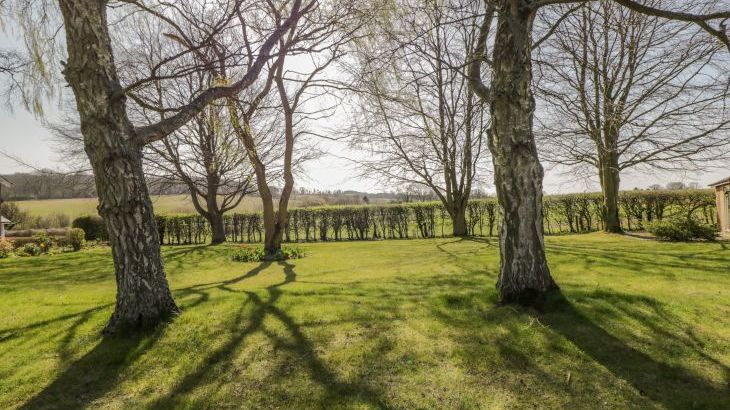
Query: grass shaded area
x,y
392,324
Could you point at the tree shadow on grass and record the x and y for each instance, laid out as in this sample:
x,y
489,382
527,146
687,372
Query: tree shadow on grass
x,y
223,357
98,371
95,374
672,386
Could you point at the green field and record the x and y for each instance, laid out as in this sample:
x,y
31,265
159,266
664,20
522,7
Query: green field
x,y
163,205
387,324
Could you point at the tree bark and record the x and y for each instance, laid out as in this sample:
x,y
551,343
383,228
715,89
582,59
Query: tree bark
x,y
610,181
524,276
215,216
459,220
115,153
217,226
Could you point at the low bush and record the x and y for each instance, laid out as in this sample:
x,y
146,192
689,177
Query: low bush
x,y
248,254
93,226
29,249
76,238
43,241
287,252
256,254
683,230
6,248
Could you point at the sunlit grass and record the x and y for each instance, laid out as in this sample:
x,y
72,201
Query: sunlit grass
x,y
394,324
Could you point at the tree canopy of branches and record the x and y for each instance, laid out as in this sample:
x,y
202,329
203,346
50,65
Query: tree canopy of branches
x,y
418,119
624,89
114,143
524,275
298,78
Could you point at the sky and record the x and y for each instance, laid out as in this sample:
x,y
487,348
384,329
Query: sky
x,y
23,136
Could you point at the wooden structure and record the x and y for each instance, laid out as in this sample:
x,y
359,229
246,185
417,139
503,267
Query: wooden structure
x,y
3,223
722,192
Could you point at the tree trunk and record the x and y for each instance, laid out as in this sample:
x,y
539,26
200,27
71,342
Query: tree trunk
x,y
524,276
459,220
143,296
214,214
610,180
217,226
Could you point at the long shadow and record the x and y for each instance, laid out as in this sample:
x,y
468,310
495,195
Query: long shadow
x,y
673,386
223,356
95,374
7,334
98,371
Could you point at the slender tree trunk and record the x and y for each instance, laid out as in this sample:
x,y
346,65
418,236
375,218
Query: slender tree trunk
x,y
524,276
143,296
610,180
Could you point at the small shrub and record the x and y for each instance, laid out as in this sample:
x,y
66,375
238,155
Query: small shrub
x,y
76,238
683,230
93,226
43,241
30,249
248,254
6,248
287,252
256,254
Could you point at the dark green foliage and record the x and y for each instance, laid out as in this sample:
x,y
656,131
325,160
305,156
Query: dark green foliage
x,y
573,213
93,226
683,229
76,238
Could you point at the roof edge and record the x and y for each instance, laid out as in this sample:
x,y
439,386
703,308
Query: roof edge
x,y
721,182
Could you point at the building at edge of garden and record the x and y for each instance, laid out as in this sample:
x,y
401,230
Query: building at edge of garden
x,y
722,193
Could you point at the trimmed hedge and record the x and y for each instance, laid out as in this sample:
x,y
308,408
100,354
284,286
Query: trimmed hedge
x,y
93,226
572,213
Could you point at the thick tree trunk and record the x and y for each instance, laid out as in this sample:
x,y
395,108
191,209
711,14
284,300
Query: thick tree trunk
x,y
524,277
217,226
610,181
143,296
214,214
459,220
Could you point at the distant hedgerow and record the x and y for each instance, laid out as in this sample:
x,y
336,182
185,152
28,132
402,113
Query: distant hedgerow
x,y
571,213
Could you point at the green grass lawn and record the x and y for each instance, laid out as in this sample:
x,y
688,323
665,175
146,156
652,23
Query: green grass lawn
x,y
393,324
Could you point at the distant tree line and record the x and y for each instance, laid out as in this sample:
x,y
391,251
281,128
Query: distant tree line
x,y
54,185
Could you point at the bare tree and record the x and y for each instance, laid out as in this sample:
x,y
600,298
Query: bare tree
x,y
204,154
524,275
114,144
300,86
418,119
207,157
623,89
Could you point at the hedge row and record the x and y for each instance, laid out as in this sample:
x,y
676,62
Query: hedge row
x,y
573,213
